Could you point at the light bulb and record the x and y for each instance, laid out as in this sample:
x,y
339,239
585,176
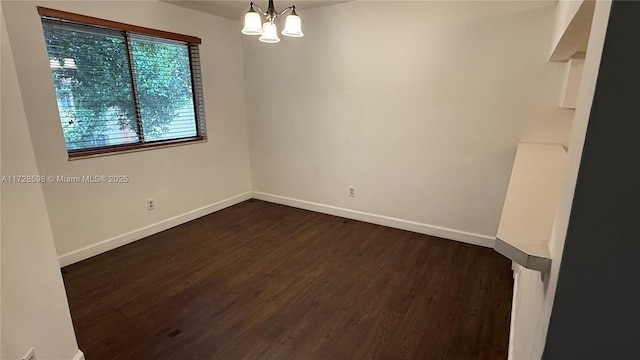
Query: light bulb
x,y
293,26
269,33
252,23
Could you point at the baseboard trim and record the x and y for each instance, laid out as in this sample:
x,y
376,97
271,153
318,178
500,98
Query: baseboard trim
x,y
124,239
79,356
120,240
432,230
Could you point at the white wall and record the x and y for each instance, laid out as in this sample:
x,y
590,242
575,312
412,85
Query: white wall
x,y
419,105
181,179
34,305
533,299
566,10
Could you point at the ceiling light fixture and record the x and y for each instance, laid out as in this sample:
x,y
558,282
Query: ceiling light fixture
x,y
268,31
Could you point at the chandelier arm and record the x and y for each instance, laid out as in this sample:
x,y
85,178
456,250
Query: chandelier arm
x,y
292,7
259,8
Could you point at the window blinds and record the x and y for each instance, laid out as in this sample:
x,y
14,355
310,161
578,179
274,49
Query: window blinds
x,y
117,88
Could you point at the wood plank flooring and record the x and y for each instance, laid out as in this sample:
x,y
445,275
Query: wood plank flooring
x,y
265,281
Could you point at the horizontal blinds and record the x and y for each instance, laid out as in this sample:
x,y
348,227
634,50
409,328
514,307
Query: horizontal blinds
x,y
93,87
163,79
198,97
115,88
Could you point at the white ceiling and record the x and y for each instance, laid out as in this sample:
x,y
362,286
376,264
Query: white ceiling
x,y
236,9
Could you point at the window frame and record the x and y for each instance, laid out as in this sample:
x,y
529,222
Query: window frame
x,y
196,82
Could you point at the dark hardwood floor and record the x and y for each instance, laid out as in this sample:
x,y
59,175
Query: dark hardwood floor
x,y
265,281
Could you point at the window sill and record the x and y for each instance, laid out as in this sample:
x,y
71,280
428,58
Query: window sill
x,y
123,149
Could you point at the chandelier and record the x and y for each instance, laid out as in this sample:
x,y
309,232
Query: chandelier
x,y
268,32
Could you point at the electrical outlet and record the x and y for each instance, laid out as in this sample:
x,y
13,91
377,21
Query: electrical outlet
x,y
31,355
352,191
151,204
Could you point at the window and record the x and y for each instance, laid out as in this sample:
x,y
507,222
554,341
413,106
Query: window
x,y
121,87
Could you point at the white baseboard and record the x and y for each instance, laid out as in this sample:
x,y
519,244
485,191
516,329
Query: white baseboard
x,y
120,240
432,230
79,356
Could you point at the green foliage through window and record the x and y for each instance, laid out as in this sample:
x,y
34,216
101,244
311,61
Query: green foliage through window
x,y
115,88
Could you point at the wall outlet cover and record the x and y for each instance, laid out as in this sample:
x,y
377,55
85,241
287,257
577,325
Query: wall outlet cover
x,y
151,204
